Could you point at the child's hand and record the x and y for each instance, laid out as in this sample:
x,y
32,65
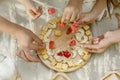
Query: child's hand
x,y
31,10
87,18
101,43
28,42
72,11
90,17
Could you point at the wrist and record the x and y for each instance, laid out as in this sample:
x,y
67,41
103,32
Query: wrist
x,y
95,13
114,36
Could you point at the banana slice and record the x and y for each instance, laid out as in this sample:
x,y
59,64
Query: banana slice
x,y
78,62
48,33
74,53
78,36
46,39
80,52
58,58
85,39
81,31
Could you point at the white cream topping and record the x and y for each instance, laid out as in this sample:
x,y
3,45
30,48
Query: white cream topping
x,y
46,37
49,32
81,52
81,31
58,58
85,39
78,36
74,53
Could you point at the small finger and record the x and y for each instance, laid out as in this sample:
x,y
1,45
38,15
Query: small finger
x,y
68,16
90,46
91,50
36,39
63,17
95,42
96,38
78,17
21,54
34,9
73,17
33,13
81,21
95,51
34,47
39,12
39,9
31,57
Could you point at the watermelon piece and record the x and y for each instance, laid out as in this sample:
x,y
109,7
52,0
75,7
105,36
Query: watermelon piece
x,y
74,27
66,54
61,24
51,44
69,30
60,54
72,43
51,11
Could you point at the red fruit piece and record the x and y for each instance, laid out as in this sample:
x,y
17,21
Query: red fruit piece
x,y
51,11
74,27
60,54
61,24
69,30
51,44
66,54
76,24
72,43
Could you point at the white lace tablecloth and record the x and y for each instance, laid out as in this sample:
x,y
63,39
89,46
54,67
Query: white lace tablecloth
x,y
95,69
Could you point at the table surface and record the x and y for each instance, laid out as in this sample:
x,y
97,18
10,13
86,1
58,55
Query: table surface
x,y
95,69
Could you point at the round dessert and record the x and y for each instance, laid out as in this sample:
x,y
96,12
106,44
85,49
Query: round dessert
x,y
64,52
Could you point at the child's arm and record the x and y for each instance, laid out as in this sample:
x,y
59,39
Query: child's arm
x,y
31,9
72,10
101,43
99,6
7,27
90,17
106,41
25,39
